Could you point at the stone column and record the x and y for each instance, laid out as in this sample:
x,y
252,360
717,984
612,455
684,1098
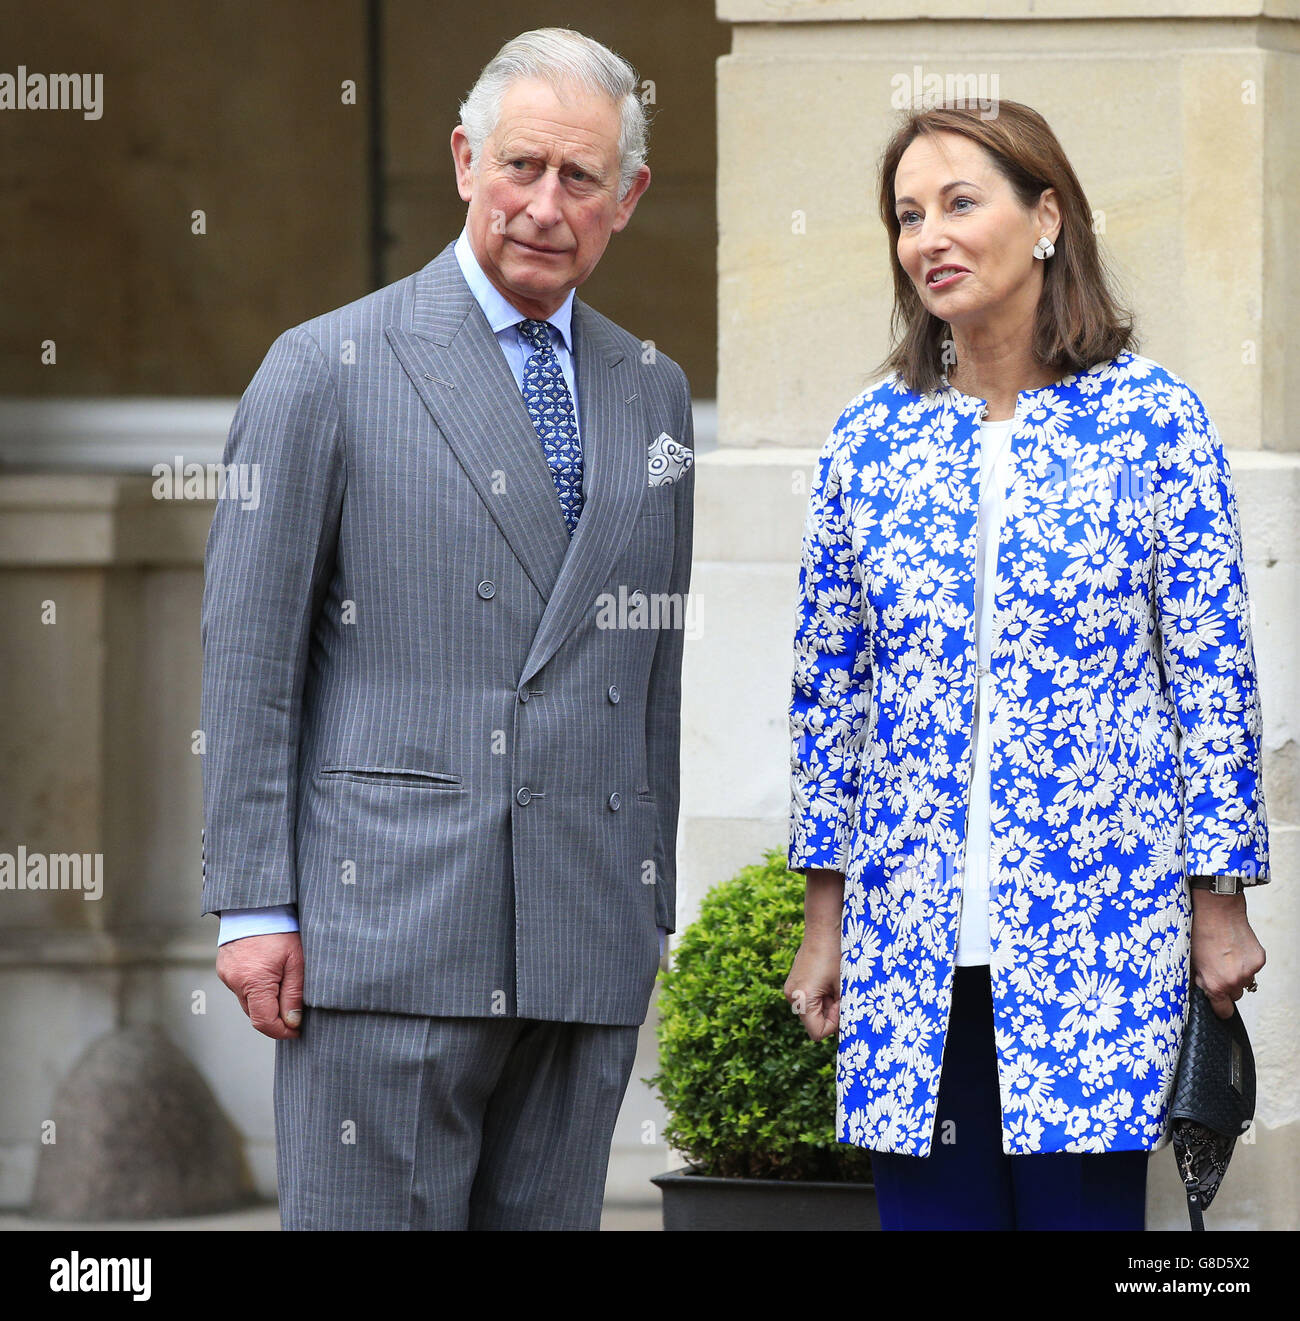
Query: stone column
x,y
100,585
1181,122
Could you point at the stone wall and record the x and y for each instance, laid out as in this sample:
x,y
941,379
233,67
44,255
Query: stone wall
x,y
238,110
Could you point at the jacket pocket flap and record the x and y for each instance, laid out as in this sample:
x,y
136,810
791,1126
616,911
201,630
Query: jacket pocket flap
x,y
394,775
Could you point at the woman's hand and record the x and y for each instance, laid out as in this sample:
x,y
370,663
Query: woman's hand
x,y
1225,953
813,987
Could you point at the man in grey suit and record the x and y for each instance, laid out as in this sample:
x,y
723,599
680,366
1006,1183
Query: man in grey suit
x,y
441,690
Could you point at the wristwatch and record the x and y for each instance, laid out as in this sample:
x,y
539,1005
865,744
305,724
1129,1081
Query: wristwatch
x,y
1216,884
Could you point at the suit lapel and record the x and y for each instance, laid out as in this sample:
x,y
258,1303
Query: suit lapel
x,y
451,356
614,480
453,359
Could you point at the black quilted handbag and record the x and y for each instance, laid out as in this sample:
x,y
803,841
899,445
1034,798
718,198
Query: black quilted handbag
x,y
1213,1101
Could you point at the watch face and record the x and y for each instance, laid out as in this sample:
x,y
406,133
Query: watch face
x,y
1216,884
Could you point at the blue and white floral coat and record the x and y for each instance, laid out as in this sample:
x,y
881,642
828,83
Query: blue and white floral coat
x,y
1124,743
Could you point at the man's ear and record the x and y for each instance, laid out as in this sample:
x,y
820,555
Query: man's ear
x,y
640,182
464,161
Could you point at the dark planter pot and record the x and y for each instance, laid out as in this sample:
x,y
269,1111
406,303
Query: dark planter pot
x,y
697,1201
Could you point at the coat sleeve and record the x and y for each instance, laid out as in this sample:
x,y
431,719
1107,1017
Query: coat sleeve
x,y
664,696
265,571
1207,652
832,678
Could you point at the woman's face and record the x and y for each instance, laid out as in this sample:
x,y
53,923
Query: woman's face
x,y
956,210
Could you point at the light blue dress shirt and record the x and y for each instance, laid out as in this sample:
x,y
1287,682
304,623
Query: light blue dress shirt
x,y
504,318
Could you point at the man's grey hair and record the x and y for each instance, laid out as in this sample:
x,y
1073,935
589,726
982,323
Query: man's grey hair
x,y
560,57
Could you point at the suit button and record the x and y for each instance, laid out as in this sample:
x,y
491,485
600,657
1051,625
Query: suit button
x,y
523,694
615,802
613,693
487,589
524,796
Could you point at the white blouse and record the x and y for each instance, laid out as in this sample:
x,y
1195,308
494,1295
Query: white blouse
x,y
995,453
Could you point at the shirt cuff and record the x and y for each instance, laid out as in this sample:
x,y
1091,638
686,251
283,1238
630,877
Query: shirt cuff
x,y
236,923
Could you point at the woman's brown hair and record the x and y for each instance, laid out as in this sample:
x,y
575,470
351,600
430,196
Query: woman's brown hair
x,y
1079,321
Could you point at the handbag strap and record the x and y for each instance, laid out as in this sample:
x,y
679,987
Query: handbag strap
x,y
1194,1211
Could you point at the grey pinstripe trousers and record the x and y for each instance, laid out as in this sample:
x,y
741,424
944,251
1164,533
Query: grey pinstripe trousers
x,y
398,1121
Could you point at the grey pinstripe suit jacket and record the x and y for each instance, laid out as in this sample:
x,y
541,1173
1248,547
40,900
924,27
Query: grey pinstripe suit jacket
x,y
415,728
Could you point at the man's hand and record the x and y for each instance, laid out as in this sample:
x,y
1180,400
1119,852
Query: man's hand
x,y
265,973
1225,953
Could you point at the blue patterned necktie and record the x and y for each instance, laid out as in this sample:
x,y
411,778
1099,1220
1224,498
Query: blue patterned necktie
x,y
550,406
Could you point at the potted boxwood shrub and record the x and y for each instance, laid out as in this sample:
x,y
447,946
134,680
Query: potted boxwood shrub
x,y
750,1099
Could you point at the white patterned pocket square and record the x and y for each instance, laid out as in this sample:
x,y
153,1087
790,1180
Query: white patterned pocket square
x,y
667,459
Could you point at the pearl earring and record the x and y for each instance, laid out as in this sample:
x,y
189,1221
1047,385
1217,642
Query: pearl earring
x,y
1044,248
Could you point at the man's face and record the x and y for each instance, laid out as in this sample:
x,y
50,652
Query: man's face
x,y
543,197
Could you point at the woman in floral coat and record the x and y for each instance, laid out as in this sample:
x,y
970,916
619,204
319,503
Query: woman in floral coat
x,y
1025,720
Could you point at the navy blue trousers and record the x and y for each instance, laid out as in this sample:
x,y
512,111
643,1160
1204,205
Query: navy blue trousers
x,y
970,1183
